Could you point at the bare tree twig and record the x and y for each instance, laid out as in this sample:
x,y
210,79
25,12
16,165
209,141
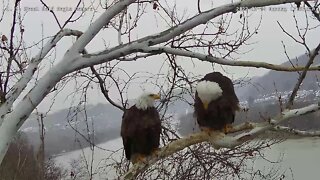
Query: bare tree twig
x,y
104,91
51,11
313,54
12,32
199,10
313,10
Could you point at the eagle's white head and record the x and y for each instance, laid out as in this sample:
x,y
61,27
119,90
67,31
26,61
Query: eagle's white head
x,y
208,91
146,100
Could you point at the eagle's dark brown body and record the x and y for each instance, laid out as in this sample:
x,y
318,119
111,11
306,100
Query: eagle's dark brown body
x,y
220,111
140,131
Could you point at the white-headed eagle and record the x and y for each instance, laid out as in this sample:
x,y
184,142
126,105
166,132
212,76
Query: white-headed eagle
x,y
141,128
215,102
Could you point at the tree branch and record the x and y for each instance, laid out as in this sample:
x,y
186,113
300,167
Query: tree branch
x,y
312,56
11,48
224,61
52,12
104,91
95,27
297,132
136,46
17,89
313,10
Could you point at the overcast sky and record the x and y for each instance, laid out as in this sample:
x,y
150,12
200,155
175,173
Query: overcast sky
x,y
266,45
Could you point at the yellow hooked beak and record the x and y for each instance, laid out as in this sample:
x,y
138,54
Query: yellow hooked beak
x,y
205,105
155,96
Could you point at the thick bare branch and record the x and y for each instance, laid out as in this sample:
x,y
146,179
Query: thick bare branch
x,y
17,89
135,46
223,61
95,27
297,132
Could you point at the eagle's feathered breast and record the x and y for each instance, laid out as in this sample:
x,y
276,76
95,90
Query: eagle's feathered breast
x,y
220,111
140,130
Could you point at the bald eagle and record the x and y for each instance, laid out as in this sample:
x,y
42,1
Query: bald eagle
x,y
215,102
140,128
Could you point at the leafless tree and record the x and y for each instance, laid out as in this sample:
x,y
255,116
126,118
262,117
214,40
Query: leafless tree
x,y
206,35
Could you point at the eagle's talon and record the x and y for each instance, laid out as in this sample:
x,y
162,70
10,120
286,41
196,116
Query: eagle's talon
x,y
206,130
139,158
227,128
155,151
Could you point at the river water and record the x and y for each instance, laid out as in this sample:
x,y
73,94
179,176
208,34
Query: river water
x,y
300,158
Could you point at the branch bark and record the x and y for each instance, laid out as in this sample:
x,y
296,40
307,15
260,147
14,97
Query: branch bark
x,y
297,132
223,61
18,88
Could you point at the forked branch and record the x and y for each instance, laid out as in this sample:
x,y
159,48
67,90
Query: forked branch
x,y
18,88
104,91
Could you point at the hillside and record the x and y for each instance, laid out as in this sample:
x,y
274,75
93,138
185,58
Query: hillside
x,y
63,128
280,81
